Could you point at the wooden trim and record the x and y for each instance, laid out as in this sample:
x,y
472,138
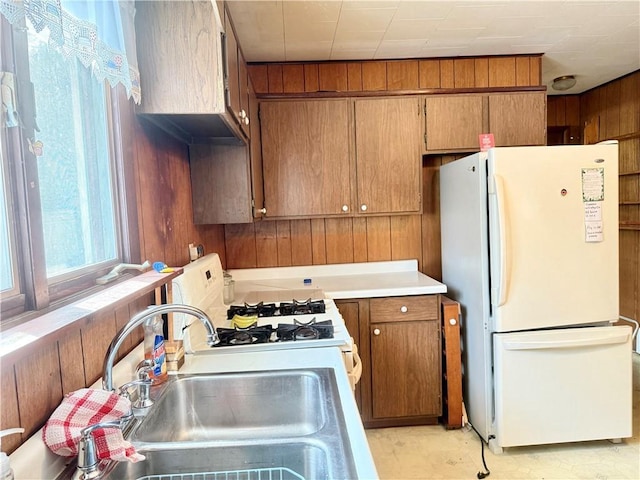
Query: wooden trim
x,y
629,226
392,93
452,356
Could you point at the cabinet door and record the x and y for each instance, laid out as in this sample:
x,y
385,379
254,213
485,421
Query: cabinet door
x,y
256,155
518,118
453,122
305,157
388,154
243,84
405,369
220,183
350,311
232,79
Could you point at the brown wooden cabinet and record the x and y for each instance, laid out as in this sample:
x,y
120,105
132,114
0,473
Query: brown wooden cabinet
x,y
226,180
453,122
328,157
182,71
306,157
518,118
236,78
400,346
388,134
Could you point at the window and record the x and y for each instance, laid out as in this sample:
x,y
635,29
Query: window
x,y
59,208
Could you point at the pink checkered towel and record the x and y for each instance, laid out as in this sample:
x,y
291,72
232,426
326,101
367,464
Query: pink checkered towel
x,y
81,409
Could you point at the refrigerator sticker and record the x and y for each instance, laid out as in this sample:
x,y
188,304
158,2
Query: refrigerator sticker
x,y
592,184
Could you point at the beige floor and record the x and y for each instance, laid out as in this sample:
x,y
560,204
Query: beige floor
x,y
431,452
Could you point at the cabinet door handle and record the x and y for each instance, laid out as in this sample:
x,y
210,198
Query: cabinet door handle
x,y
363,207
345,208
404,309
263,211
376,331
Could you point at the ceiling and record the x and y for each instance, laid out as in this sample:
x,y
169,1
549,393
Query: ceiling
x,y
596,41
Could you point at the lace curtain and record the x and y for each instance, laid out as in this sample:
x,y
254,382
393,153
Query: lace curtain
x,y
99,33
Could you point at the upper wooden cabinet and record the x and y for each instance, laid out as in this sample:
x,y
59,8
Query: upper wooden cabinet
x,y
388,155
180,57
453,121
318,163
518,118
235,78
305,157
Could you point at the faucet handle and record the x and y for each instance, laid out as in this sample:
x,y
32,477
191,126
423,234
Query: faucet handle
x,y
88,462
144,367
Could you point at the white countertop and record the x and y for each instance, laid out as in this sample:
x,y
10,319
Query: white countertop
x,y
340,281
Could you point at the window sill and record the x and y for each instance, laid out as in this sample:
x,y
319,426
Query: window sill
x,y
15,340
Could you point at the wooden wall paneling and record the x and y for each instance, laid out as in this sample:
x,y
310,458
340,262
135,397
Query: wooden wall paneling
x,y
523,74
240,244
39,387
212,239
266,244
259,77
406,238
571,110
311,82
354,76
275,78
447,74
318,241
535,70
283,242
301,242
293,78
612,108
71,362
378,239
431,255
183,230
403,75
629,273
332,77
502,71
464,73
374,76
481,72
122,316
96,334
429,73
339,240
359,225
630,104
9,414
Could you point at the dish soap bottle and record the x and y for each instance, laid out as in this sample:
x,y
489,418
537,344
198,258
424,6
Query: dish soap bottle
x,y
5,468
154,348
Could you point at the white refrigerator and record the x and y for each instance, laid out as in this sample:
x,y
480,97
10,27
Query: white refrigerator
x,y
530,250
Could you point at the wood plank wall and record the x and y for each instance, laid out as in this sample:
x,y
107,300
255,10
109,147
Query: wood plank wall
x,y
612,111
368,239
34,380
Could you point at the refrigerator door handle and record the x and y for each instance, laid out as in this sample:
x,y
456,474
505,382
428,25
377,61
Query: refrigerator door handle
x,y
504,253
613,339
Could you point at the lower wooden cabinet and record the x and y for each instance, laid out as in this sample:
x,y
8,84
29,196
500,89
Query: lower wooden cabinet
x,y
399,342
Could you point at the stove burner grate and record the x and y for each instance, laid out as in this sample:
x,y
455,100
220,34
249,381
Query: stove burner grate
x,y
244,336
311,330
295,307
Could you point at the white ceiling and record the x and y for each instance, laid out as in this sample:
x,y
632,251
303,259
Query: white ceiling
x,y
596,41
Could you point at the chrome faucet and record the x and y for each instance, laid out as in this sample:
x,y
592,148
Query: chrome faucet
x,y
138,319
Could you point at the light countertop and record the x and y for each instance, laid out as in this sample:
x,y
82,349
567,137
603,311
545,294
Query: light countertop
x,y
340,281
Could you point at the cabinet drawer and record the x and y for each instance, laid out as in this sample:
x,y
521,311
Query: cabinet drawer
x,y
401,309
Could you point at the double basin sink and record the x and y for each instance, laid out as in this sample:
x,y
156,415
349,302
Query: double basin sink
x,y
285,424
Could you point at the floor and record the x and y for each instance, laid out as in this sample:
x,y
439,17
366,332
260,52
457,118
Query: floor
x,y
431,452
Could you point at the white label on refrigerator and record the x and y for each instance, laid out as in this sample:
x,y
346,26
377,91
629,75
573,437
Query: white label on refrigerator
x,y
593,232
592,184
592,211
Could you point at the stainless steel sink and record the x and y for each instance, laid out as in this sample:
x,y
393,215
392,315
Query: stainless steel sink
x,y
241,406
281,461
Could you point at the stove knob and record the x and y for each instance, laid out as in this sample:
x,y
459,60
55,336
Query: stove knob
x,y
376,331
404,309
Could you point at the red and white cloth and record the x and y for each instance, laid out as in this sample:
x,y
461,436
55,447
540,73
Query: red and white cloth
x,y
81,409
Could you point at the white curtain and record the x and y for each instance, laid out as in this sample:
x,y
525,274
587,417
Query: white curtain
x,y
99,33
